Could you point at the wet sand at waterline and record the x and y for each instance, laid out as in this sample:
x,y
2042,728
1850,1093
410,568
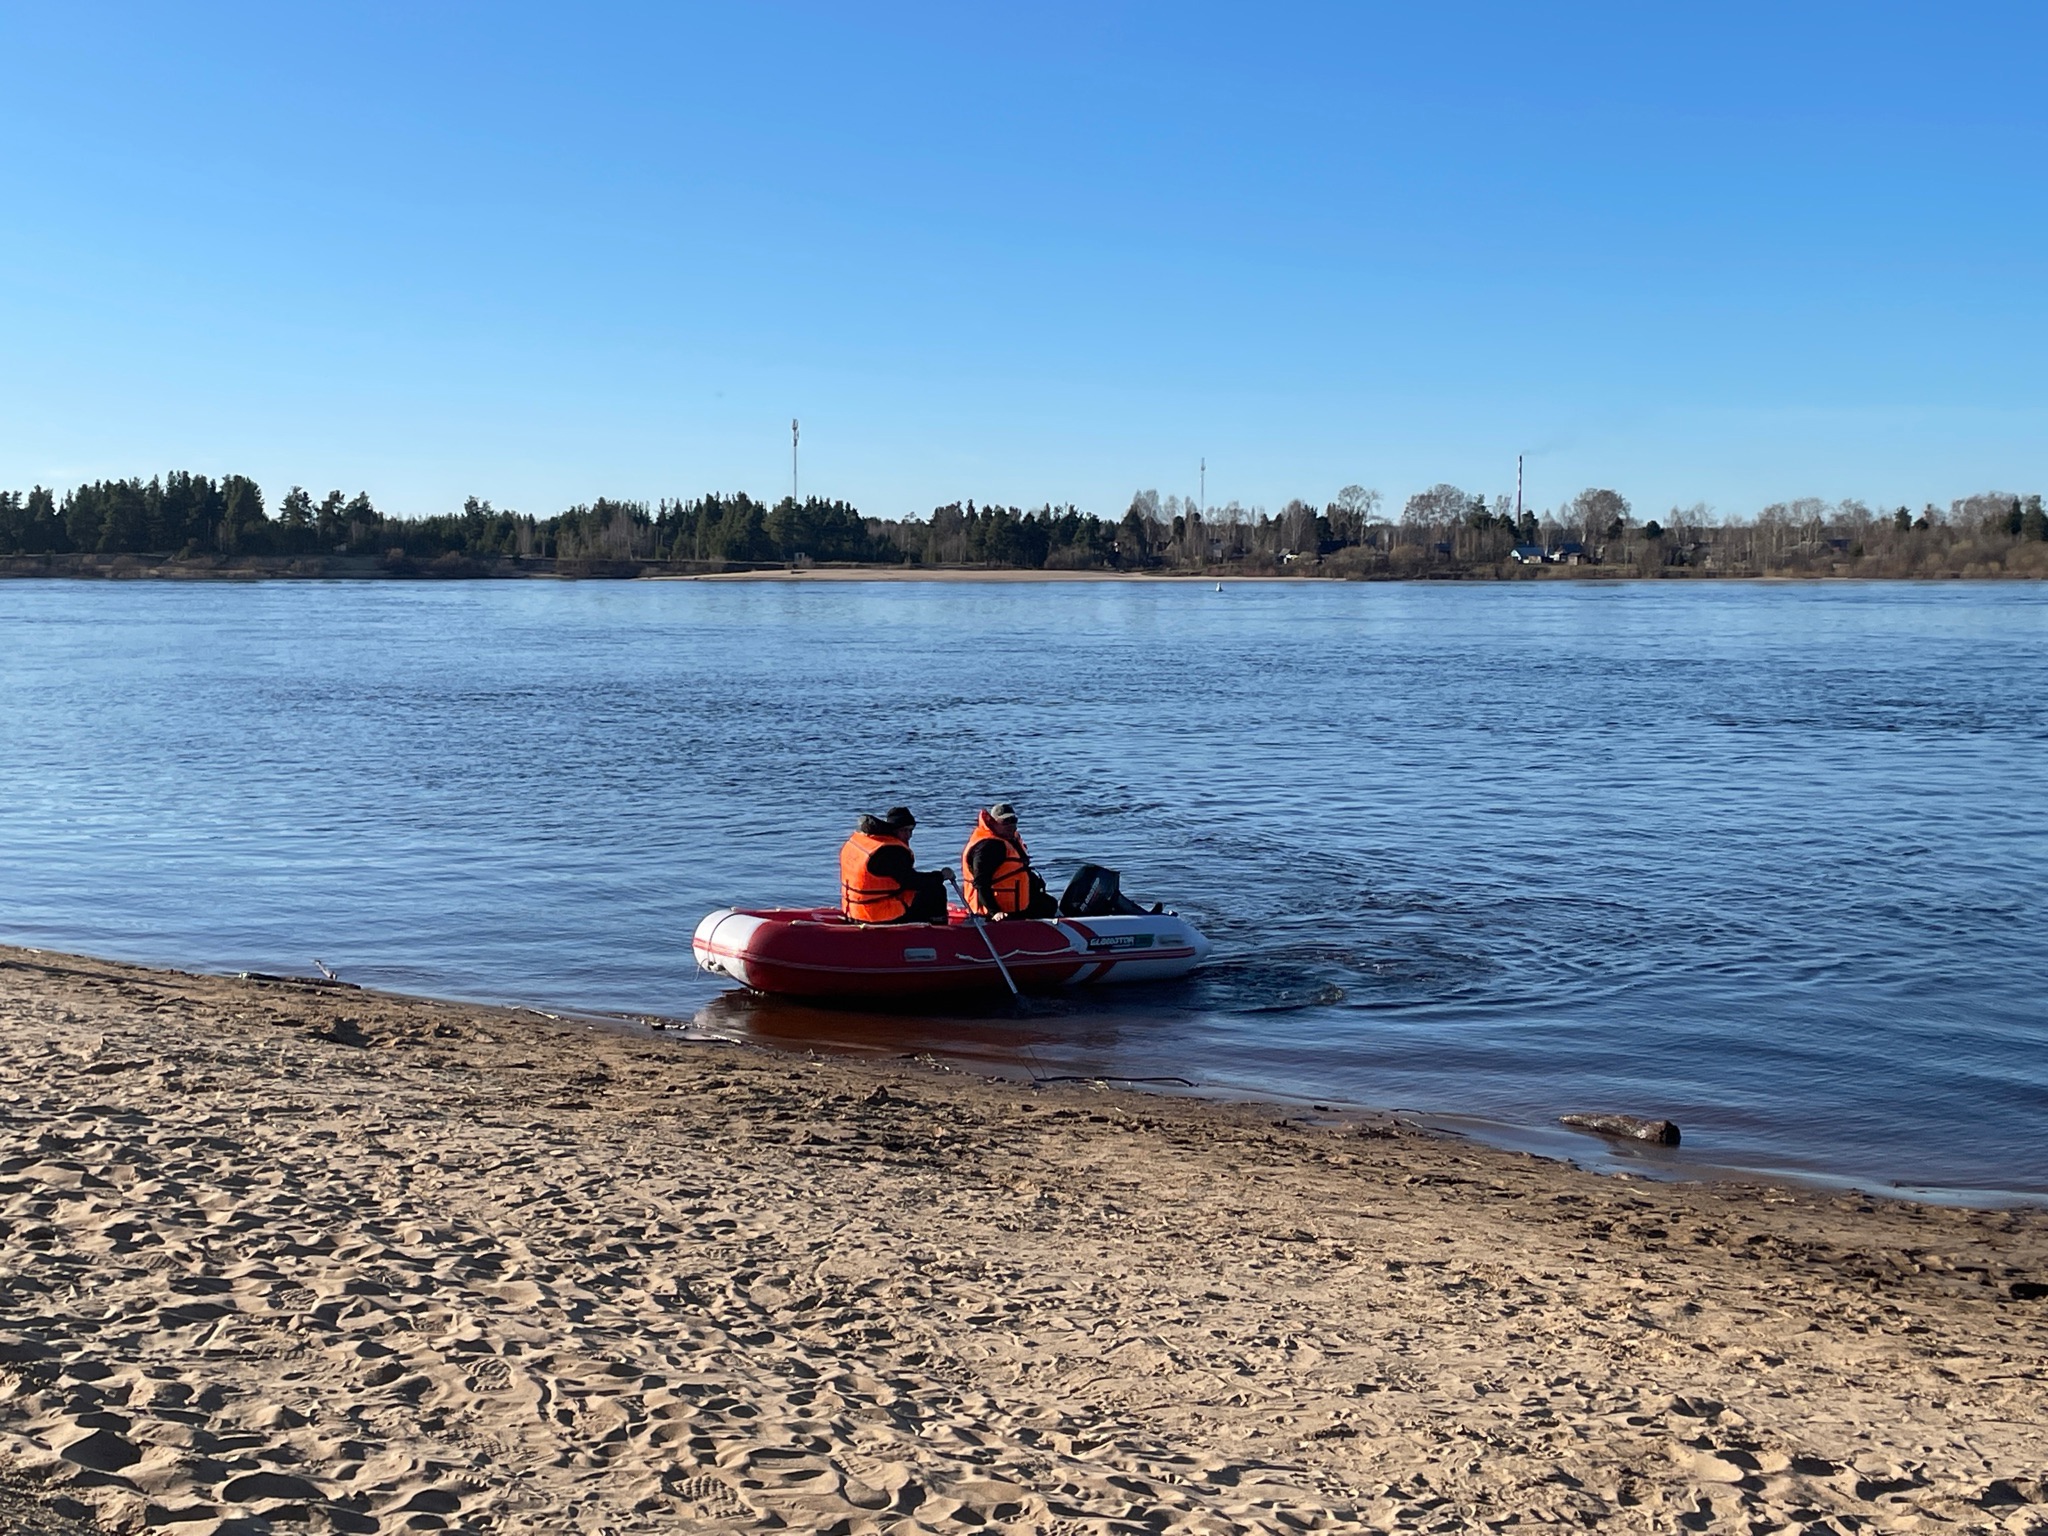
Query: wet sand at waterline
x,y
288,1257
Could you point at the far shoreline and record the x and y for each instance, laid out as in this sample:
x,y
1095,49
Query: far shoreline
x,y
998,575
366,569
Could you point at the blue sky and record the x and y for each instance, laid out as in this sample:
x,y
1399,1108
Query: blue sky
x,y
538,254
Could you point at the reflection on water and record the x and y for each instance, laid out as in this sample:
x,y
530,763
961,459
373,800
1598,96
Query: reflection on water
x,y
1129,1033
1036,1034
1768,860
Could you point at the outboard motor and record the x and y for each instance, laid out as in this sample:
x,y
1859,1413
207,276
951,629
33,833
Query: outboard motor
x,y
1096,891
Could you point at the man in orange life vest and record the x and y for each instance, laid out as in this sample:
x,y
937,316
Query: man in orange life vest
x,y
996,876
879,881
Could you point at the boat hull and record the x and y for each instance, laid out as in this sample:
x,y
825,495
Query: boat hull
x,y
792,952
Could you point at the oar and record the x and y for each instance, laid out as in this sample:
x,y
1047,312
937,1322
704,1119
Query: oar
x,y
981,928
1016,997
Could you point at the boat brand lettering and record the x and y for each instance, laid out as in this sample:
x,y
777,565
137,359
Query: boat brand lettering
x,y
1121,941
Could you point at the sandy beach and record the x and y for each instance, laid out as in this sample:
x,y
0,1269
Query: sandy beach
x,y
285,1257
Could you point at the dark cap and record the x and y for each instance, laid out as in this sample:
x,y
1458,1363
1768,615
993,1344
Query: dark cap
x,y
899,816
1002,810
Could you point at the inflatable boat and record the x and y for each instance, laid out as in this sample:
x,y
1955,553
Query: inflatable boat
x,y
816,952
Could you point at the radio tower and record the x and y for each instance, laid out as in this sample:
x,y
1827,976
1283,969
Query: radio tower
x,y
1518,490
792,458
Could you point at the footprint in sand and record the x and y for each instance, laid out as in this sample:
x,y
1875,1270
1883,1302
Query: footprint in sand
x,y
490,1376
711,1498
872,1470
497,1447
294,1298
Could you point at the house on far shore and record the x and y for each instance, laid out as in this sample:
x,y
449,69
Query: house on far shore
x,y
1570,552
1528,554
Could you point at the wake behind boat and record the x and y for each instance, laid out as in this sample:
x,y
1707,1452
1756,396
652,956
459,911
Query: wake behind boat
x,y
818,952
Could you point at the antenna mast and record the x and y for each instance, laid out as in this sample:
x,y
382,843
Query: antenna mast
x,y
1205,490
792,458
1518,490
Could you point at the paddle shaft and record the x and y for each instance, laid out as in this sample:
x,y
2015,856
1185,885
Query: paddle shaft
x,y
981,928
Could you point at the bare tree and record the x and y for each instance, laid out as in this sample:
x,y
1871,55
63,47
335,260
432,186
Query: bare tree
x,y
1987,509
1430,514
1298,530
1594,512
1352,513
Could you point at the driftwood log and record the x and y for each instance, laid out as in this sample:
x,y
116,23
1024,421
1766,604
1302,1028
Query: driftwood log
x,y
299,981
1632,1127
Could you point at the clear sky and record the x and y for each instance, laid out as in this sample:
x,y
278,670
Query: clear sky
x,y
539,254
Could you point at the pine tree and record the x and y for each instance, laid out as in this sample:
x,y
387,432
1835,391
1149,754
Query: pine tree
x,y
243,525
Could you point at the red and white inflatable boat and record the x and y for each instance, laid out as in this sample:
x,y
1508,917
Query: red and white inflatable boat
x,y
816,952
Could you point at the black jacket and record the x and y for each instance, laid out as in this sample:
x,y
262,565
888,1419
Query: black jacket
x,y
892,861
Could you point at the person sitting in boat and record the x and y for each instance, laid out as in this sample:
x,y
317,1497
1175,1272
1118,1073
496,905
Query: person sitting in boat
x,y
879,881
996,877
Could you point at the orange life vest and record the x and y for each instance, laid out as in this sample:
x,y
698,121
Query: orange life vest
x,y
1011,883
864,896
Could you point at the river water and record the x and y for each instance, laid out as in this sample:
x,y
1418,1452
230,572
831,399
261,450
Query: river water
x,y
1771,860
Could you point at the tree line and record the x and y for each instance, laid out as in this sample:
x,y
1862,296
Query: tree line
x,y
192,517
1443,530
188,516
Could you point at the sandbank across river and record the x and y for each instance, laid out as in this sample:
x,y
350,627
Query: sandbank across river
x,y
957,573
285,1257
